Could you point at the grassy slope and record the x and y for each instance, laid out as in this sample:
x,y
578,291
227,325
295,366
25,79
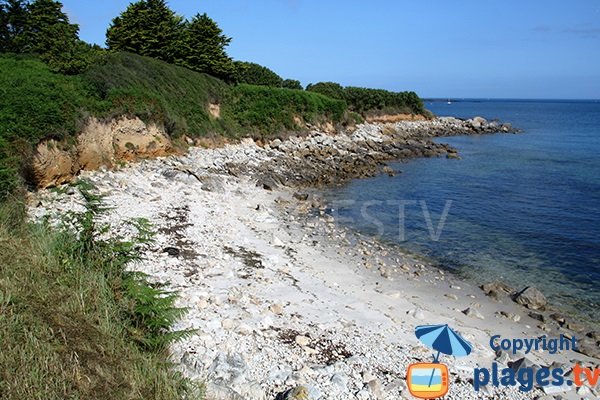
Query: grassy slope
x,y
260,109
37,103
65,328
179,98
153,90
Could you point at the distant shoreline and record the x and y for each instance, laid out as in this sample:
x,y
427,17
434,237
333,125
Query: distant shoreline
x,y
504,100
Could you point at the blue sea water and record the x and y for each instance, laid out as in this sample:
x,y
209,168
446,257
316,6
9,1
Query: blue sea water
x,y
525,208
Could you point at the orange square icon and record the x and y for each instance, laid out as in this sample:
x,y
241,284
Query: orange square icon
x,y
427,380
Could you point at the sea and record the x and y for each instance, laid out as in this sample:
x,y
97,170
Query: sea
x,y
522,208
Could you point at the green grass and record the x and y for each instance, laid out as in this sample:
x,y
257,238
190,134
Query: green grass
x,y
70,325
36,103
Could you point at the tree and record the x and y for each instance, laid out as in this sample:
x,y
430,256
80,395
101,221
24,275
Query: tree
x,y
41,27
255,74
4,36
149,28
48,28
291,84
204,48
13,21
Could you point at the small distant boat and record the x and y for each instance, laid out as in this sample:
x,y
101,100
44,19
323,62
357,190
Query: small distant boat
x,y
449,102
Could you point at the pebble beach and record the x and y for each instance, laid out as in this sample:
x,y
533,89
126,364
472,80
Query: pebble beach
x,y
280,296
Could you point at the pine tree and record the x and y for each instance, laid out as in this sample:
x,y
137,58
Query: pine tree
x,y
41,27
49,33
13,22
148,28
48,28
204,48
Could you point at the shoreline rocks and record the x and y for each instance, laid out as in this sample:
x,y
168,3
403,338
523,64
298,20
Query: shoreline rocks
x,y
321,159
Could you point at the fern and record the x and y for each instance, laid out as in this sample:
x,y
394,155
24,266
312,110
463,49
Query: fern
x,y
148,309
152,312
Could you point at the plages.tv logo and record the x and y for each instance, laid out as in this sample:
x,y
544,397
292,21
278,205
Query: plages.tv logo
x,y
430,380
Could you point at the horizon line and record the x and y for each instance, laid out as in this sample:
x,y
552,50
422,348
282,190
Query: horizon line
x,y
446,98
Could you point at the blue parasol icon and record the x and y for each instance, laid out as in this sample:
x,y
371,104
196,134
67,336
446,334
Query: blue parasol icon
x,y
444,340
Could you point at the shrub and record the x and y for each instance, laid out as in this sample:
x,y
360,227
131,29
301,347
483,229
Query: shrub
x,y
329,89
291,84
35,104
368,101
255,74
9,170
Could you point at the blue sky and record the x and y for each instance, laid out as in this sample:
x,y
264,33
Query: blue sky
x,y
462,48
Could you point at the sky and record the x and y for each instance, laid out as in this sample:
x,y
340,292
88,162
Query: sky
x,y
437,48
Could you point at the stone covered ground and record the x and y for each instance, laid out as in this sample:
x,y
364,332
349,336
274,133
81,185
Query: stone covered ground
x,y
281,297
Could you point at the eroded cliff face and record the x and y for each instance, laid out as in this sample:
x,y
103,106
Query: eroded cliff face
x,y
99,144
52,165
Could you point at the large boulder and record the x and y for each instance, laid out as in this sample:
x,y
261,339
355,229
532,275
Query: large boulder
x,y
477,122
531,298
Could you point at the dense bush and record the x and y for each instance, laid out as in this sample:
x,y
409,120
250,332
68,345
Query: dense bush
x,y
270,110
367,101
291,84
364,101
255,74
35,104
329,89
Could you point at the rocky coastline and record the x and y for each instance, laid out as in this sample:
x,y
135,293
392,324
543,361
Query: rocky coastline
x,y
287,303
321,159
